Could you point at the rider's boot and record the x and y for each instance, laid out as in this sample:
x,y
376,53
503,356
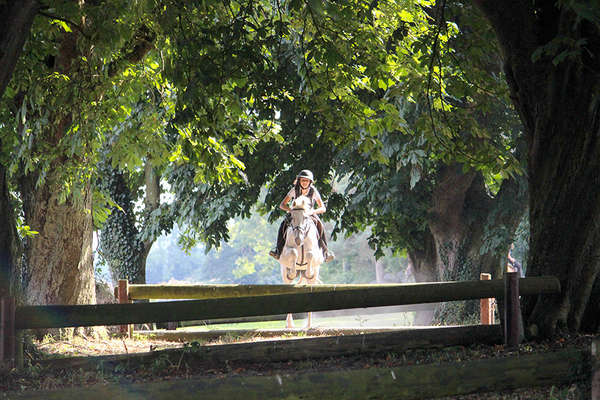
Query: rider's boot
x,y
274,254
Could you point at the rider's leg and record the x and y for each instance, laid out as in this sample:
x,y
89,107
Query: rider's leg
x,y
327,254
280,239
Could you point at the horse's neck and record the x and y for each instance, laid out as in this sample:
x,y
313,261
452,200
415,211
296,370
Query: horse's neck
x,y
311,235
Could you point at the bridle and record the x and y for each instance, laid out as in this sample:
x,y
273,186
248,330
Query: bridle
x,y
303,230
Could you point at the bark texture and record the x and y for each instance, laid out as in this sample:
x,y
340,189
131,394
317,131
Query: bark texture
x,y
59,258
9,271
16,17
469,233
557,99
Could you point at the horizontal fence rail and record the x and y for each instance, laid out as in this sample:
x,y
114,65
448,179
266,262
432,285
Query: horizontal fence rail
x,y
300,299
214,291
217,291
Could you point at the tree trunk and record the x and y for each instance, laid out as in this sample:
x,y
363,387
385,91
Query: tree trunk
x,y
152,203
9,270
121,247
469,233
16,18
558,104
379,271
591,320
59,258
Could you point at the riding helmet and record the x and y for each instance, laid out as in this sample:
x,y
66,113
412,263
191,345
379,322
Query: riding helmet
x,y
305,173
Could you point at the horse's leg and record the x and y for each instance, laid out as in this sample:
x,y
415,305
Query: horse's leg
x,y
284,275
314,279
287,261
292,273
288,278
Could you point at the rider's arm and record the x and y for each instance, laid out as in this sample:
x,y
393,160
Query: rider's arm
x,y
285,203
510,258
320,207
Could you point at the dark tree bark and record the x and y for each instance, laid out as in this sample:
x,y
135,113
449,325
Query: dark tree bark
x,y
558,103
8,241
16,17
59,258
463,220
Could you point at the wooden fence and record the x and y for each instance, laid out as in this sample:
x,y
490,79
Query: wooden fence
x,y
288,299
127,293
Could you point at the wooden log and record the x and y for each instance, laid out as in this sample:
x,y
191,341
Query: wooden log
x,y
302,349
7,332
512,307
202,336
55,316
217,291
596,369
240,320
11,341
19,350
485,306
335,313
406,382
200,292
123,297
3,330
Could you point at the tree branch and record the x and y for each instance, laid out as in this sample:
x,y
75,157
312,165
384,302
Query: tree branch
x,y
143,43
76,26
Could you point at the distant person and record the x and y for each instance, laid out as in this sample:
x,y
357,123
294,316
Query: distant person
x,y
513,265
303,186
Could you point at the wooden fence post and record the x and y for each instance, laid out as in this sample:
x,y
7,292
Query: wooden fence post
x,y
124,299
486,310
7,331
513,321
596,369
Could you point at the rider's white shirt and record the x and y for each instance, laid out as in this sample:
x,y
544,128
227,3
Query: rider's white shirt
x,y
316,196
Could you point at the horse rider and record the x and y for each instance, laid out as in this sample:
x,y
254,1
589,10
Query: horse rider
x,y
303,186
513,265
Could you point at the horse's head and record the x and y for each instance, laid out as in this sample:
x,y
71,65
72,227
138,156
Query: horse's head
x,y
300,221
302,203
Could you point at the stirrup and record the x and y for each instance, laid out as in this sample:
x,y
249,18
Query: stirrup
x,y
330,256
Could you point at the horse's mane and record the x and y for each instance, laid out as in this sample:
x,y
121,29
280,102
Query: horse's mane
x,y
302,203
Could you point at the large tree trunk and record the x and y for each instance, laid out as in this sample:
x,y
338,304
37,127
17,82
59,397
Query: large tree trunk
x,y
59,258
558,104
469,233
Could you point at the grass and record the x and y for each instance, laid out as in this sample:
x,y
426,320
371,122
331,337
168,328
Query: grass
x,y
393,320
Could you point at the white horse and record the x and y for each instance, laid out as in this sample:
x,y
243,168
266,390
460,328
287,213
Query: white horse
x,y
301,255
